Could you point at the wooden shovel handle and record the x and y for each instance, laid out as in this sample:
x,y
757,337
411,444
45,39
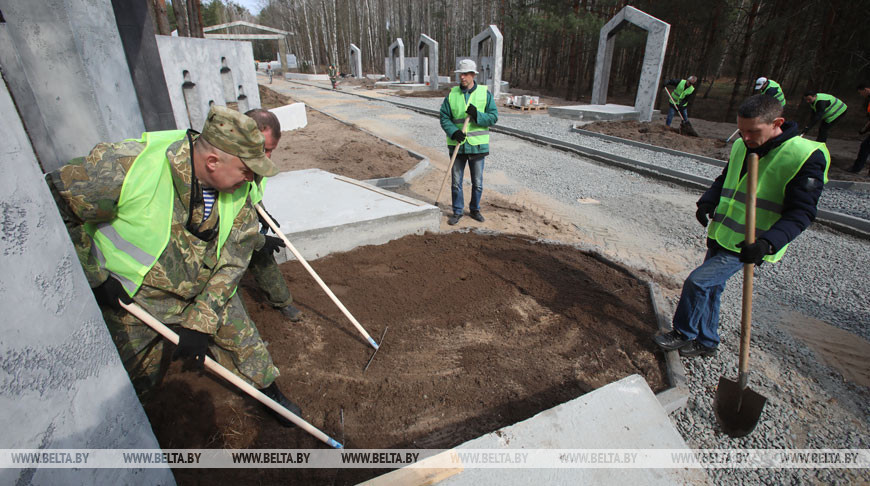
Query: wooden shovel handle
x,y
748,268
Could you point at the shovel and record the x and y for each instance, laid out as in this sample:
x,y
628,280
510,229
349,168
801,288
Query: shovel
x,y
727,140
737,407
452,160
226,374
686,124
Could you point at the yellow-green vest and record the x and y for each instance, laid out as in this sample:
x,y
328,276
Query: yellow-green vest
x,y
477,134
129,245
779,94
835,109
775,170
681,92
258,190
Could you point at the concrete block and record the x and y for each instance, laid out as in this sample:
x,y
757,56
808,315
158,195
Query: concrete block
x,y
62,385
306,77
202,72
424,46
355,61
291,116
490,68
66,69
608,112
323,213
395,66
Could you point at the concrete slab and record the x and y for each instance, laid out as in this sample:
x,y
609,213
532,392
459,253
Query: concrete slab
x,y
404,86
323,213
291,116
607,112
307,77
622,415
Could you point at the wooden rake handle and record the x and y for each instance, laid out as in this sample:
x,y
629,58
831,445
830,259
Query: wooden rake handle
x,y
316,277
452,160
226,374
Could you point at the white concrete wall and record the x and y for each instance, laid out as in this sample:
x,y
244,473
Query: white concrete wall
x,y
202,59
62,385
65,65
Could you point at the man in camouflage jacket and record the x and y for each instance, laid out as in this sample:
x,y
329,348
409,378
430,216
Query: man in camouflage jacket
x,y
192,285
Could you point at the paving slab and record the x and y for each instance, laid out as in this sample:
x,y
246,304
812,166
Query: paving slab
x,y
608,112
323,213
622,415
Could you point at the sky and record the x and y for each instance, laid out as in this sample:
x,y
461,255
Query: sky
x,y
253,6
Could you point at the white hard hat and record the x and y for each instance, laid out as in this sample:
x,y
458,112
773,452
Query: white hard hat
x,y
466,66
760,82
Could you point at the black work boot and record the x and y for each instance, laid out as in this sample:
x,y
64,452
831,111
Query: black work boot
x,y
454,219
695,348
475,215
275,394
672,340
292,313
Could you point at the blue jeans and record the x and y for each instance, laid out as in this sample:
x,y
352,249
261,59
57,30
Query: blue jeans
x,y
475,166
672,111
697,315
863,153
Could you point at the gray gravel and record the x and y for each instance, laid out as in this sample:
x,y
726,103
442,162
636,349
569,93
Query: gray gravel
x,y
823,277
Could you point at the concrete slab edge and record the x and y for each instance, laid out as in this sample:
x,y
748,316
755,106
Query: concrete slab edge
x,y
655,148
840,222
677,395
388,182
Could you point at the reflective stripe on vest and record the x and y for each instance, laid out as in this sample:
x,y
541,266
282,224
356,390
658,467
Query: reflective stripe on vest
x,y
775,170
477,134
779,94
681,92
129,245
835,109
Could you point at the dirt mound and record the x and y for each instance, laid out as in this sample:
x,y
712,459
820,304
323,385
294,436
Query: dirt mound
x,y
661,135
270,99
424,93
484,331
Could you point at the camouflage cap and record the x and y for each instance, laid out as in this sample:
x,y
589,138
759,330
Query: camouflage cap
x,y
237,134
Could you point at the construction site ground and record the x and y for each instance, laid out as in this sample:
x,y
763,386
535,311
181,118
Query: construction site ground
x,y
477,307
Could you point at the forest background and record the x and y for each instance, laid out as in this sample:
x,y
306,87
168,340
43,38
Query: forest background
x,y
550,45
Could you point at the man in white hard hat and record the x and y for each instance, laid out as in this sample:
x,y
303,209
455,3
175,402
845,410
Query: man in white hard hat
x,y
770,88
474,101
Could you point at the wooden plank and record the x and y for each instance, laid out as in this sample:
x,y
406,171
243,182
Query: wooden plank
x,y
420,475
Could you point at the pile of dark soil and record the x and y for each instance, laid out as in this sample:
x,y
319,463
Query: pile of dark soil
x,y
484,331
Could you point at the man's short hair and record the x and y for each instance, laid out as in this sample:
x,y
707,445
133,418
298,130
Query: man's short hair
x,y
809,93
863,86
766,108
266,120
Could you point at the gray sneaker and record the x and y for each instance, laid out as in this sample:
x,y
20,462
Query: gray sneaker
x,y
694,348
475,215
672,340
454,219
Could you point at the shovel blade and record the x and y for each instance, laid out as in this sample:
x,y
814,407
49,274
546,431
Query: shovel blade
x,y
687,129
737,409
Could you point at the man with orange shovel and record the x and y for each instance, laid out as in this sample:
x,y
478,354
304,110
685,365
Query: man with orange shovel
x,y
165,222
791,174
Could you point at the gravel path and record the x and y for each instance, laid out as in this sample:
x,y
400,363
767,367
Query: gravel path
x,y
809,404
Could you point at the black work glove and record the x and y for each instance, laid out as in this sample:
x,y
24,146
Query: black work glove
x,y
263,222
191,344
472,112
755,252
705,210
458,136
109,292
273,244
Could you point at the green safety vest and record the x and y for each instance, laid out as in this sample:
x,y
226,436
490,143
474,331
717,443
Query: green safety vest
x,y
477,134
835,109
779,94
775,170
681,92
129,245
257,191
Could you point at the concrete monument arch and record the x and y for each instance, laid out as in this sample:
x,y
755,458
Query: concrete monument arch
x,y
355,61
396,56
427,45
653,58
489,67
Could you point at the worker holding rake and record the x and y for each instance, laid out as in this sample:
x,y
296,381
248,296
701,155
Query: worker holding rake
x,y
165,222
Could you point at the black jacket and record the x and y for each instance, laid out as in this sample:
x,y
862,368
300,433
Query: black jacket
x,y
801,193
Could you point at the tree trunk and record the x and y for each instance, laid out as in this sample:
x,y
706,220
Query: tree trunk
x,y
161,20
181,17
741,61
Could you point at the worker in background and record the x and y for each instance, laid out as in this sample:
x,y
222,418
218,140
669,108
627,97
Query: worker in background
x,y
770,88
791,174
864,151
333,75
263,266
165,222
826,108
474,101
680,97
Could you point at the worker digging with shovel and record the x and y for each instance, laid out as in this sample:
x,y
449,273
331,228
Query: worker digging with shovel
x,y
792,172
678,101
